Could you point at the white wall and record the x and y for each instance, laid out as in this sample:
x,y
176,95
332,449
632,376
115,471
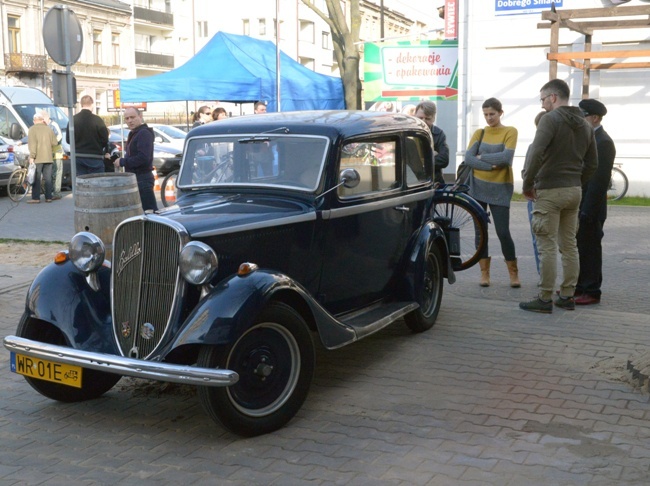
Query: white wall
x,y
506,58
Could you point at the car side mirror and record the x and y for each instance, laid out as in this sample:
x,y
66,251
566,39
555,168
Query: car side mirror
x,y
350,178
15,132
158,139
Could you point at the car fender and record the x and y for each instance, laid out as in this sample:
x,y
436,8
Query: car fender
x,y
61,296
232,306
429,234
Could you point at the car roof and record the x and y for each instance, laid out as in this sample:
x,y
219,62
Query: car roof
x,y
343,123
22,95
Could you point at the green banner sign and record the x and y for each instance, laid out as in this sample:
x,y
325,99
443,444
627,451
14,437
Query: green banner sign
x,y
411,71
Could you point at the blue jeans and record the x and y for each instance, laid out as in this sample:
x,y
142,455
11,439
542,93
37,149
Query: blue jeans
x,y
42,171
145,188
89,166
555,223
532,234
501,219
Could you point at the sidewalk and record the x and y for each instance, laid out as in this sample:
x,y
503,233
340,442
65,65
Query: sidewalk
x,y
491,395
41,222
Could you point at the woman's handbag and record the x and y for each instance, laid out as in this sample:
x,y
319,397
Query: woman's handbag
x,y
31,171
464,171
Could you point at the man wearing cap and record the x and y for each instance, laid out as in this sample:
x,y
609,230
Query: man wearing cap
x,y
593,209
561,159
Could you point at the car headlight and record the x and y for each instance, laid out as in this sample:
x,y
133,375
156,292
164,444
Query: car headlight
x,y
87,252
198,263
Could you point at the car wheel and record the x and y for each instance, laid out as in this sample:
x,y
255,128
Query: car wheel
x,y
428,290
275,363
95,383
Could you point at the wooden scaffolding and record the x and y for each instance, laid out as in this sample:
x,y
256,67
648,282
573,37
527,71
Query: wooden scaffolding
x,y
598,19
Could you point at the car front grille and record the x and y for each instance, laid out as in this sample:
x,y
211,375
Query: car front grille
x,y
146,283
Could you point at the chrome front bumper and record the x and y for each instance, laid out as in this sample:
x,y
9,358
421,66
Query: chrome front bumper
x,y
120,365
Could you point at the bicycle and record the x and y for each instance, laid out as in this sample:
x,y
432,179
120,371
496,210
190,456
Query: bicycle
x,y
464,222
618,184
17,185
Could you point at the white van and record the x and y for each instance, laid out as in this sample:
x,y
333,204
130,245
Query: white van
x,y
17,108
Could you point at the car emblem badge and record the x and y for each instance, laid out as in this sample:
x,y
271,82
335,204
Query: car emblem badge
x,y
147,330
126,329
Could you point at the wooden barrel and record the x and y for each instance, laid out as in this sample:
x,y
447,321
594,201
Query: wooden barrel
x,y
102,201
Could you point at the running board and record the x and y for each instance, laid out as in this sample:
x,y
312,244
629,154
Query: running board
x,y
376,318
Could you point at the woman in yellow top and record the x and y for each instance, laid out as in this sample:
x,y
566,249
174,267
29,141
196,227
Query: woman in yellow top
x,y
491,182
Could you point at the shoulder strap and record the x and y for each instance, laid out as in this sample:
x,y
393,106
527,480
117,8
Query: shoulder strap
x,y
480,139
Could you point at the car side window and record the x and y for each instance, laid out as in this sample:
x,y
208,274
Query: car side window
x,y
415,161
375,163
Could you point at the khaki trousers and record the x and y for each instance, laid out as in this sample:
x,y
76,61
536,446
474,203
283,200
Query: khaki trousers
x,y
555,223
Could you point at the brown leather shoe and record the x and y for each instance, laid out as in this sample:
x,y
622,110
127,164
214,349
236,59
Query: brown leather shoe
x,y
586,299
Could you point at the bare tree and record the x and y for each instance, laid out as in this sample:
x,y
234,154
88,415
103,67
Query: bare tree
x,y
345,39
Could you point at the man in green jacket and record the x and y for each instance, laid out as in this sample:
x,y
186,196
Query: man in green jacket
x,y
560,160
41,142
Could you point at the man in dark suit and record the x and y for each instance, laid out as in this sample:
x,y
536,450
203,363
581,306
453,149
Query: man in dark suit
x,y
593,209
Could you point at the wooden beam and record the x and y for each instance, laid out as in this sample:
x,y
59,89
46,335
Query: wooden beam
x,y
587,13
621,65
572,63
600,25
558,56
586,71
576,27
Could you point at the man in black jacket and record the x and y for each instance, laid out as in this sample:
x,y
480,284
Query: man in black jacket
x,y
138,158
593,209
426,111
90,139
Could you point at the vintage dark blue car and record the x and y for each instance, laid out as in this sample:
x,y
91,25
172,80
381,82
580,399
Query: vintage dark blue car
x,y
288,228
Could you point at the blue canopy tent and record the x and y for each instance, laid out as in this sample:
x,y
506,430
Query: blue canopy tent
x,y
239,69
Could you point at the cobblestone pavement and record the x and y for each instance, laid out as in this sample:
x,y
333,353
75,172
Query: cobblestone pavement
x,y
490,395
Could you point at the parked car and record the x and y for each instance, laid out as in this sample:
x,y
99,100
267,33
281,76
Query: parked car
x,y
166,158
288,227
165,135
7,166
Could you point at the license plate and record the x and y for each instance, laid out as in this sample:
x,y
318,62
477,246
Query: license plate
x,y
41,369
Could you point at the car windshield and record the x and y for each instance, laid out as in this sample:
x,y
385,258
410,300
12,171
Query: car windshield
x,y
288,161
26,112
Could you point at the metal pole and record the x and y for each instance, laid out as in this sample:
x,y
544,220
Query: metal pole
x,y
277,53
381,19
65,19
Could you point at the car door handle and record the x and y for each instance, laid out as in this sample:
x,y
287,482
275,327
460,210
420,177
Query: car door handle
x,y
402,208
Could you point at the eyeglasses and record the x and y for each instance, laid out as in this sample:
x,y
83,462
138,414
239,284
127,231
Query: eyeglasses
x,y
541,100
205,113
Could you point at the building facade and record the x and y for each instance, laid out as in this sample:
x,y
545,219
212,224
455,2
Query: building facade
x,y
138,38
107,31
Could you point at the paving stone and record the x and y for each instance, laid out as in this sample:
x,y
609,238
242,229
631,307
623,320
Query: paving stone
x,y
490,395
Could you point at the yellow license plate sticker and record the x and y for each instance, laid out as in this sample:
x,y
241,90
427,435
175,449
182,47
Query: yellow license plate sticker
x,y
41,369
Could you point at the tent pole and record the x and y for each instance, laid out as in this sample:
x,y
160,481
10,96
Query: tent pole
x,y
277,53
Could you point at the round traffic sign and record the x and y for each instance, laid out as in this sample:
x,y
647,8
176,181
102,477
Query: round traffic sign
x,y
62,35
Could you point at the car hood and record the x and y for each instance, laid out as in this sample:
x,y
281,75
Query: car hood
x,y
208,215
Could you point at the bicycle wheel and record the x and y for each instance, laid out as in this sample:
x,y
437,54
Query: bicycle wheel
x,y
618,185
464,225
17,185
168,189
